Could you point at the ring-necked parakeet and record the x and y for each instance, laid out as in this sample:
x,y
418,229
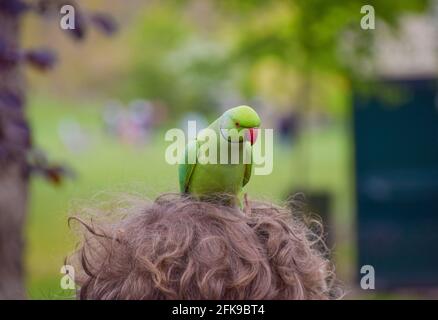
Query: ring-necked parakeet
x,y
236,126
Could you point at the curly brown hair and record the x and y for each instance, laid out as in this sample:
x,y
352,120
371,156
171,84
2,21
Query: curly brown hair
x,y
180,248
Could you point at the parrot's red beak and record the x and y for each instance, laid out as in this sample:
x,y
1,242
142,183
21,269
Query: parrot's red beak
x,y
252,135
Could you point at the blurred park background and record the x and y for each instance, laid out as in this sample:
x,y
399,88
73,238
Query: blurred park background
x,y
98,116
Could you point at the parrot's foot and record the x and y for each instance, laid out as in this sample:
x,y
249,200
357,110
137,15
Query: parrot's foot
x,y
223,199
246,208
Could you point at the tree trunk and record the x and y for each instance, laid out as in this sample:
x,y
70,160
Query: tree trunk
x,y
13,190
14,142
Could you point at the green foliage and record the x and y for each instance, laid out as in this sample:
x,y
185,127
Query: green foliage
x,y
157,33
171,63
308,37
305,46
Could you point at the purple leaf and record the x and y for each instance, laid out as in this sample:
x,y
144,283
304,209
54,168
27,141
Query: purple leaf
x,y
13,7
11,100
42,59
42,6
80,29
8,56
105,23
56,173
38,164
17,133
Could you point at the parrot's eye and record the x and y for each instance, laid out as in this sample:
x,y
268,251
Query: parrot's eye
x,y
237,124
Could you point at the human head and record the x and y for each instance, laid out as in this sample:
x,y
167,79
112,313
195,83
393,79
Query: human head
x,y
181,248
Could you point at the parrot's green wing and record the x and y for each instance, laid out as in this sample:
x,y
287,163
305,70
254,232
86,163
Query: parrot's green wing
x,y
247,174
185,169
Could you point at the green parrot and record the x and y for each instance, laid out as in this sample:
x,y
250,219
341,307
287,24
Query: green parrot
x,y
235,130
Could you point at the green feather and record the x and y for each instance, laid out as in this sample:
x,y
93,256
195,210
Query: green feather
x,y
185,169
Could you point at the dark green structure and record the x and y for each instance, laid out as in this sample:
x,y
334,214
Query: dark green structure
x,y
396,164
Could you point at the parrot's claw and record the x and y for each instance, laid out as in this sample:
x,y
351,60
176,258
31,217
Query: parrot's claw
x,y
247,208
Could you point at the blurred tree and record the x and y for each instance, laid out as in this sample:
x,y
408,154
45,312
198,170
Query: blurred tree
x,y
172,62
310,37
307,47
313,43
18,159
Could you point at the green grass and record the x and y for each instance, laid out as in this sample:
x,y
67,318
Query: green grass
x,y
110,166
